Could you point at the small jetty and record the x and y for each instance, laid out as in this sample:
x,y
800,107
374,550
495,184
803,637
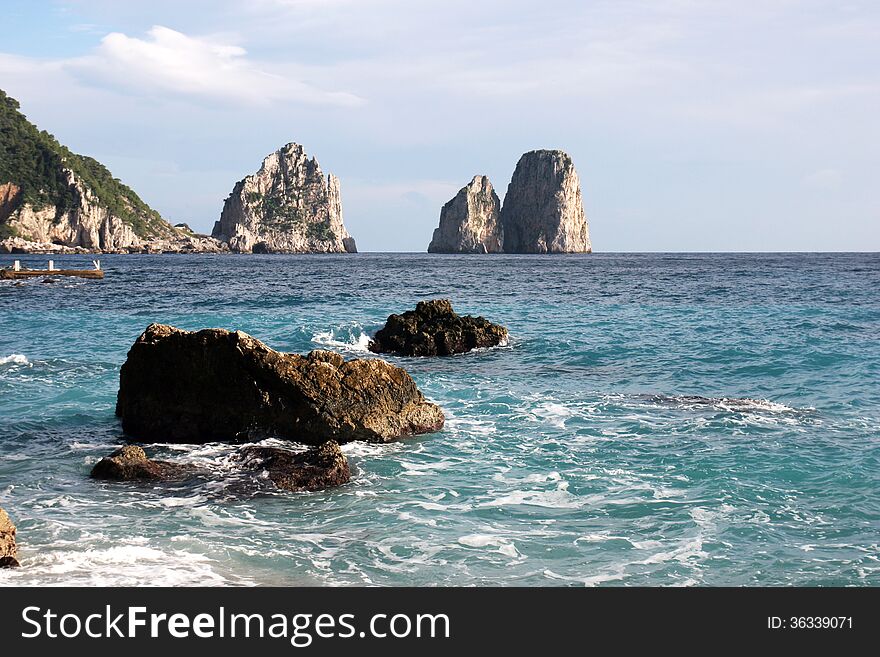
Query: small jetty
x,y
17,272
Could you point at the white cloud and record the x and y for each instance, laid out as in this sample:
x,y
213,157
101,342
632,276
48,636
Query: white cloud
x,y
170,62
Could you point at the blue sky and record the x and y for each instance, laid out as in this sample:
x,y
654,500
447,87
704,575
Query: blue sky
x,y
708,125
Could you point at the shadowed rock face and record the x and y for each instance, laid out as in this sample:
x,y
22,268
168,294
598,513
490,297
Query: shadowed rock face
x,y
314,469
130,463
216,385
8,550
288,206
543,211
434,329
470,222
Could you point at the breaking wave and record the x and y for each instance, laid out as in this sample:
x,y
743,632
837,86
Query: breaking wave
x,y
14,359
350,337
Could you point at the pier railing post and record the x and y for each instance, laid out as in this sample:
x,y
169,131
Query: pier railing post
x,y
51,265
16,266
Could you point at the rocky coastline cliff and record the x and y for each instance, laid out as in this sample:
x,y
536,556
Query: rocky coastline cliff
x,y
55,201
288,206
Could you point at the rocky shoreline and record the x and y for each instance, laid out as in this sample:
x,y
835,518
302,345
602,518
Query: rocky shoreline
x,y
194,243
214,385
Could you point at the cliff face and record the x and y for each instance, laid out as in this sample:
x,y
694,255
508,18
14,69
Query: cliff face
x,y
50,195
470,222
542,211
288,206
85,223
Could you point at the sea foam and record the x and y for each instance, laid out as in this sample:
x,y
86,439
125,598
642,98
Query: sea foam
x,y
347,338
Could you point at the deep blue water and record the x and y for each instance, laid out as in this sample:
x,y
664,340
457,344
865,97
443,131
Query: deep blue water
x,y
668,419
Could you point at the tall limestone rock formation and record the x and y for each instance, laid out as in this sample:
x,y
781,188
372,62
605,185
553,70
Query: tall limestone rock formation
x,y
542,210
470,222
288,206
50,195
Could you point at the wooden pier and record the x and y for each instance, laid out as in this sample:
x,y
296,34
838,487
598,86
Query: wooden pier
x,y
17,272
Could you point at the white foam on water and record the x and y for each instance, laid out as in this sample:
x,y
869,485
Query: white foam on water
x,y
411,517
600,538
133,563
552,499
536,478
421,469
503,344
507,548
591,581
14,359
349,338
552,413
683,552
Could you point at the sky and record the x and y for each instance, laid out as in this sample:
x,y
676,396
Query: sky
x,y
713,125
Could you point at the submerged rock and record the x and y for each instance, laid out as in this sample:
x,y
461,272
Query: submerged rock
x,y
543,211
288,206
130,463
314,469
435,329
216,385
8,549
470,222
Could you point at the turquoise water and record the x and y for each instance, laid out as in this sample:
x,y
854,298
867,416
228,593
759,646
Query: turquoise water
x,y
656,420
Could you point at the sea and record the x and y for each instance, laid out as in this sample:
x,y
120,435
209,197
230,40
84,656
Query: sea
x,y
655,420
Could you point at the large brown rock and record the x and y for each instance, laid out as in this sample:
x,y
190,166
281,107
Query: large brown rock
x,y
314,469
130,463
8,550
215,385
435,329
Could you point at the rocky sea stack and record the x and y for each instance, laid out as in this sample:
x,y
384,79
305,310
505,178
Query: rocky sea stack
x,y
543,211
8,549
216,385
435,329
470,222
321,467
288,206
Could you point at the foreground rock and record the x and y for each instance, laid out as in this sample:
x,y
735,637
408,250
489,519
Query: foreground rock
x,y
216,385
470,222
314,469
285,207
434,329
8,550
130,463
543,211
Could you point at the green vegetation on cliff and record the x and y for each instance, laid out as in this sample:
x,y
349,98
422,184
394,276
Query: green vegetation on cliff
x,y
33,160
